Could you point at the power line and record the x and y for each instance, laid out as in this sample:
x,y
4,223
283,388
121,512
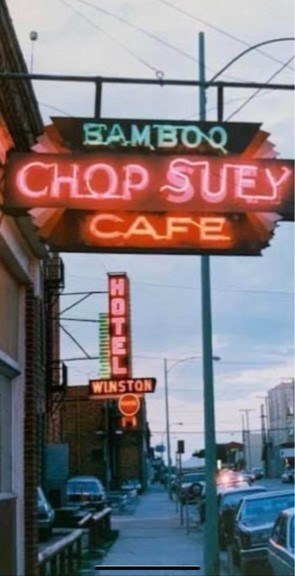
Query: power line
x,y
217,29
139,29
182,287
121,44
257,91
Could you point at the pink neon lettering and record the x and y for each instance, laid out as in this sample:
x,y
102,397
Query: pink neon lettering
x,y
118,307
136,178
112,180
117,286
119,324
116,368
22,179
119,345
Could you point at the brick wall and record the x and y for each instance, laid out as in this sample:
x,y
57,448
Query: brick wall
x,y
85,428
34,428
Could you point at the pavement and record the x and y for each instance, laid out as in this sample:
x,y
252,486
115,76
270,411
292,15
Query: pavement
x,y
153,541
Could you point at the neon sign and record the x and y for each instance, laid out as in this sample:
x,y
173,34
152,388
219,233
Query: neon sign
x,y
119,323
101,387
150,183
159,233
155,135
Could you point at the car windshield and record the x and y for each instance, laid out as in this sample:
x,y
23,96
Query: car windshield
x,y
84,487
265,510
292,534
193,477
234,498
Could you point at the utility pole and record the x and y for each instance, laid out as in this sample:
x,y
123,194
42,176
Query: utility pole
x,y
248,435
167,425
211,547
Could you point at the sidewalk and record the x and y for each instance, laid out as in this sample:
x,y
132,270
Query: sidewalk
x,y
152,536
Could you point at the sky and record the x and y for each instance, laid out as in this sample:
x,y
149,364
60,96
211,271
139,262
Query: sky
x,y
252,297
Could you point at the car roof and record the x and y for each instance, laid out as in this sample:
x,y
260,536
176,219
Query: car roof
x,y
86,478
288,512
269,494
249,489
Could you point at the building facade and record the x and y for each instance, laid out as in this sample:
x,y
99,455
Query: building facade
x,y
280,403
99,444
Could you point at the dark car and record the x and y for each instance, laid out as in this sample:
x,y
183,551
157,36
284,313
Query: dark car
x,y
281,545
288,475
258,472
254,522
228,501
132,484
224,481
46,515
86,491
186,483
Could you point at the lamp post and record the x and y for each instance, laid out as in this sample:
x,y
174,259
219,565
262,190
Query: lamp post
x,y
168,369
248,435
211,548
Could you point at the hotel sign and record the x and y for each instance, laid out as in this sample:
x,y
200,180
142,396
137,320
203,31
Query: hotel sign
x,y
101,388
119,325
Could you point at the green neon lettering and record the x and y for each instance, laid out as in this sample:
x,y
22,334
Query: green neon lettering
x,y
93,134
141,136
117,135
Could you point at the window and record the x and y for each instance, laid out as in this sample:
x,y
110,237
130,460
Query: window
x,y
5,434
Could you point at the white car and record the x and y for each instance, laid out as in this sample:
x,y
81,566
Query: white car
x,y
281,545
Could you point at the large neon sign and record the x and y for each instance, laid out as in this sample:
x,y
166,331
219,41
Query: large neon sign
x,y
150,183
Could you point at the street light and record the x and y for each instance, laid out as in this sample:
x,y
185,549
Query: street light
x,y
211,548
168,369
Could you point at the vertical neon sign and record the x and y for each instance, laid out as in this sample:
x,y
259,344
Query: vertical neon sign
x,y
119,325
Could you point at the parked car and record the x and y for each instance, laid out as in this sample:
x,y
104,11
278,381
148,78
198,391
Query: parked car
x,y
248,475
132,484
288,475
226,482
281,545
255,518
46,515
187,481
228,478
87,491
227,502
258,472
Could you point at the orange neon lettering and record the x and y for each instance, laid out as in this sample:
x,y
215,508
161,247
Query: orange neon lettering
x,y
211,228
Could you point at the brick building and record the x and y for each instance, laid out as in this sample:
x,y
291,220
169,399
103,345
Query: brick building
x,y
98,444
28,343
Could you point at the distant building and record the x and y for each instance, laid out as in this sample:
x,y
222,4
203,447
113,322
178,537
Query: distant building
x,y
98,442
280,402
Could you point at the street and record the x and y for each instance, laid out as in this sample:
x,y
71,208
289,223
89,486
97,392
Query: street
x,y
154,535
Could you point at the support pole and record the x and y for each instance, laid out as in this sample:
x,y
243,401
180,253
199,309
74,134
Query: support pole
x,y
211,550
167,425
